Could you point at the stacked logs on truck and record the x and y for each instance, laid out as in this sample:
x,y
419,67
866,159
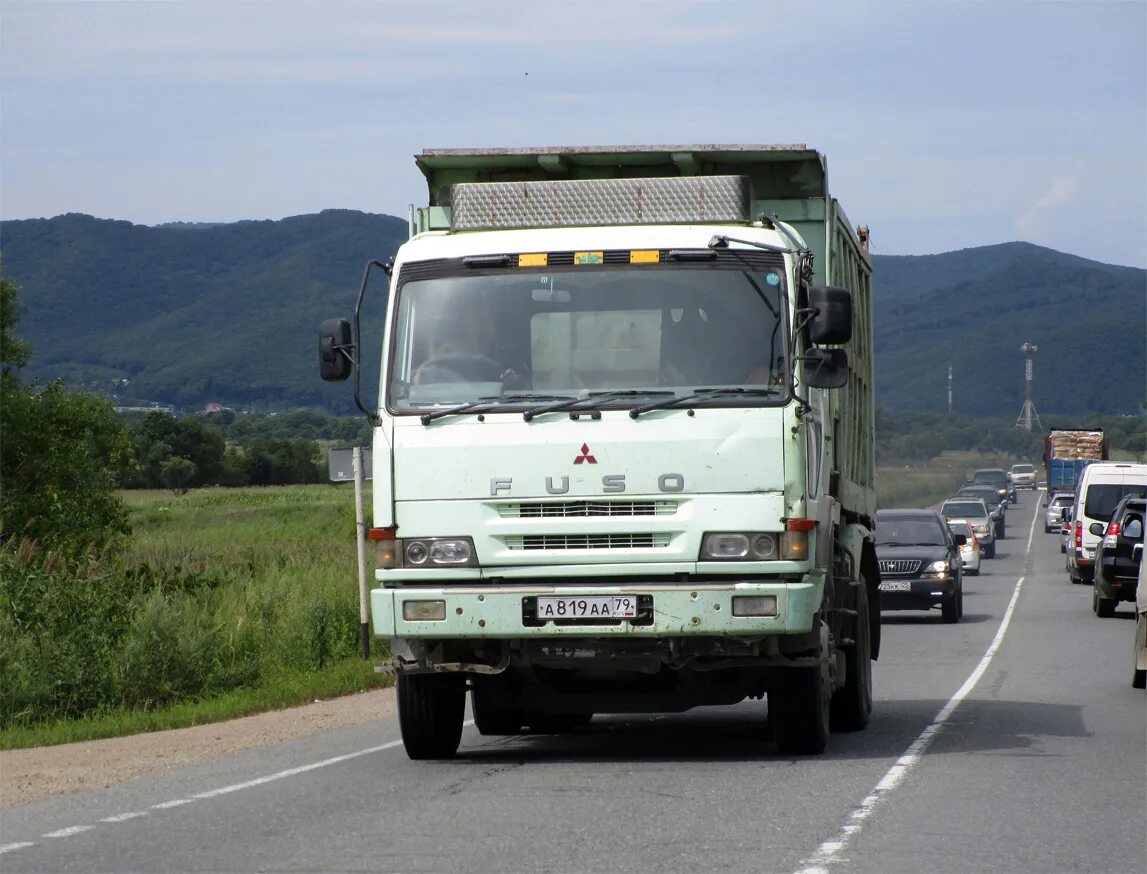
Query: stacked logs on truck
x,y
1077,444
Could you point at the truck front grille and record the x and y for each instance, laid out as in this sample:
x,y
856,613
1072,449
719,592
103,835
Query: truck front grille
x,y
588,541
586,509
899,567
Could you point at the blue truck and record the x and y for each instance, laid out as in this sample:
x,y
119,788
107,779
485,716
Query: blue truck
x,y
1067,451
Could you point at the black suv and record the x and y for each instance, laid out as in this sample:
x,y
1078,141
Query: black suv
x,y
1117,555
920,564
997,477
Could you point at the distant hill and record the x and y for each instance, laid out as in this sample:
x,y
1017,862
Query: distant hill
x,y
192,313
974,308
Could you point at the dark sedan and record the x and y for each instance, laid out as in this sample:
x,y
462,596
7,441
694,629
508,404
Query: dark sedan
x,y
920,565
1117,555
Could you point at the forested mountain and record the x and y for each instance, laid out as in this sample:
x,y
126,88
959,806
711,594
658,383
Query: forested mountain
x,y
192,313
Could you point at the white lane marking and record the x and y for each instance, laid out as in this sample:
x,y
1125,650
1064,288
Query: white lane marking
x,y
124,817
19,845
69,831
291,772
828,853
213,793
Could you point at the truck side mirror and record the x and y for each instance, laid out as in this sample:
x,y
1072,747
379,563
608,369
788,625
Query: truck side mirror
x,y
832,325
825,368
335,350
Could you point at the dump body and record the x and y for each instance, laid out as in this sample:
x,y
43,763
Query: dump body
x,y
610,473
1067,452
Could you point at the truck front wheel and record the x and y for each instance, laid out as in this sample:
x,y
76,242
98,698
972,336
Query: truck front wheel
x,y
431,708
852,703
799,703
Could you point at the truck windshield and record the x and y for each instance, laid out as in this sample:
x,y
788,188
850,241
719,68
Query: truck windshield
x,y
617,329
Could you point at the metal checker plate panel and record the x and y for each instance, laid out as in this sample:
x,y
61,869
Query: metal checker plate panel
x,y
588,202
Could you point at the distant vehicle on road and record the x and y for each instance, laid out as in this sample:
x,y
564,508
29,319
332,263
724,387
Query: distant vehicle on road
x,y
997,477
996,507
1054,507
920,563
976,512
1022,476
1101,486
1067,451
970,550
1117,555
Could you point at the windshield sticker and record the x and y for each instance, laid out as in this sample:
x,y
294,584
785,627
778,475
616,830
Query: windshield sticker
x,y
773,278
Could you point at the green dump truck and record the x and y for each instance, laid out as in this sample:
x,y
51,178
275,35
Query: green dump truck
x,y
623,445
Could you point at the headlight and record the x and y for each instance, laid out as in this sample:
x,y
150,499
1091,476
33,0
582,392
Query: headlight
x,y
937,570
439,552
739,546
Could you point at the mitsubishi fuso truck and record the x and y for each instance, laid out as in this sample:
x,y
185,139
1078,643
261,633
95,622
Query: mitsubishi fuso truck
x,y
623,442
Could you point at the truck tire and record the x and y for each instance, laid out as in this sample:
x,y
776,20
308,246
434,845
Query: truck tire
x,y
489,718
799,704
851,705
431,708
1104,607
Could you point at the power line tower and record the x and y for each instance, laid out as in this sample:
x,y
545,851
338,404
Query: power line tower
x,y
1027,413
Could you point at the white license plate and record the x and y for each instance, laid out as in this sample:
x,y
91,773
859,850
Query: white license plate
x,y
896,586
587,607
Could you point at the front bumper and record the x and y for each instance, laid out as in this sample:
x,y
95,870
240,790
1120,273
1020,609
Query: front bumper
x,y
678,610
921,594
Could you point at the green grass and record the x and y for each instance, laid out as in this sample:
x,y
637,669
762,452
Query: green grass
x,y
343,678
924,484
225,602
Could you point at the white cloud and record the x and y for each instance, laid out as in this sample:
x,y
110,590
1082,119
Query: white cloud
x,y
1036,220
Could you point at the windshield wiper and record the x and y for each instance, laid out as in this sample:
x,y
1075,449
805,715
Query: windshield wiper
x,y
593,398
704,395
488,402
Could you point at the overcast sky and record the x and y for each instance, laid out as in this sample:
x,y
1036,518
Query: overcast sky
x,y
946,125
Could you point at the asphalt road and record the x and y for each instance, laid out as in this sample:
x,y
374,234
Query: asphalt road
x,y
1012,741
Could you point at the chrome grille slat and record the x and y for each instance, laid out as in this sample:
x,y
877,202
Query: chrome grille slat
x,y
588,541
585,509
900,567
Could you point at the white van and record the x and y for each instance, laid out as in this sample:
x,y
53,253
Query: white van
x,y
1100,486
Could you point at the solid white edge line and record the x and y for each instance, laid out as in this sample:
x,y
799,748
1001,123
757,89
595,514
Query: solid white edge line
x,y
19,845
828,853
213,793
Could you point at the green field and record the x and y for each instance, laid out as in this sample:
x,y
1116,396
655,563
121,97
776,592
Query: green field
x,y
226,601
923,484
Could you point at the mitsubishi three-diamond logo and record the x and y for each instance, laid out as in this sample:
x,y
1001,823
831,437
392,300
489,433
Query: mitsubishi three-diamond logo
x,y
585,456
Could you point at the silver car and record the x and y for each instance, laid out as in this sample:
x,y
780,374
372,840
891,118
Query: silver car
x,y
976,512
1053,521
1022,476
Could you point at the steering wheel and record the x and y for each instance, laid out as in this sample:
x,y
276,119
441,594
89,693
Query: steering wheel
x,y
459,367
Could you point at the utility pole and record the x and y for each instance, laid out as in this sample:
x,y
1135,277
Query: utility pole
x,y
1027,413
949,389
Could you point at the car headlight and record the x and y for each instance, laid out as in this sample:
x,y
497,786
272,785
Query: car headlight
x,y
739,546
438,552
937,566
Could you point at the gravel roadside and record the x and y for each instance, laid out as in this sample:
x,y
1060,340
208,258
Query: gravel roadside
x,y
45,772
